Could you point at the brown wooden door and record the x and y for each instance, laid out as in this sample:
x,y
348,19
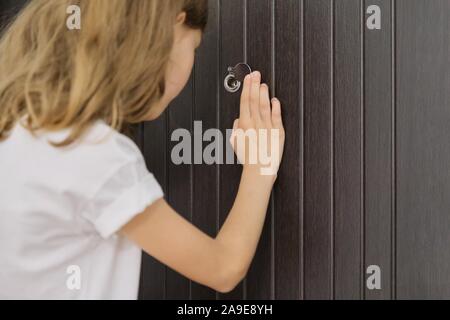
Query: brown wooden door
x,y
365,178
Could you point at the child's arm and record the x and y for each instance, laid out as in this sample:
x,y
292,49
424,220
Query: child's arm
x,y
219,263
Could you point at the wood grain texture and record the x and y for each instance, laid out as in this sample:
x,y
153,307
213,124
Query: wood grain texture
x,y
232,43
155,144
207,79
289,186
347,151
318,149
365,175
260,57
180,188
378,171
423,149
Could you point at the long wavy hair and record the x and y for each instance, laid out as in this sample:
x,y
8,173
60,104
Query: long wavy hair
x,y
111,69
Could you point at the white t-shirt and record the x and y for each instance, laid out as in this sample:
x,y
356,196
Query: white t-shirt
x,y
60,210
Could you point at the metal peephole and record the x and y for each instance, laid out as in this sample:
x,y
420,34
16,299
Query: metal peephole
x,y
235,77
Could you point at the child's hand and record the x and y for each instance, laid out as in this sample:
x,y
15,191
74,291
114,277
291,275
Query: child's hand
x,y
258,135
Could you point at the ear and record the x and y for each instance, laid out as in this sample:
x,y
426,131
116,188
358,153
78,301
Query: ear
x,y
181,18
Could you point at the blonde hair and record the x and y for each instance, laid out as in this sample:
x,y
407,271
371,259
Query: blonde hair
x,y
112,69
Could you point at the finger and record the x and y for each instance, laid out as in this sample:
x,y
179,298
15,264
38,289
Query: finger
x,y
245,99
254,96
277,121
264,105
233,133
235,124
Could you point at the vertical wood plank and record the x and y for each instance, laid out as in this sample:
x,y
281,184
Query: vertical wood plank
x,y
206,108
138,135
318,149
260,57
347,150
180,181
288,188
232,33
423,149
153,273
378,148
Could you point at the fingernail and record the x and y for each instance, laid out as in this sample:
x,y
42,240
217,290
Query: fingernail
x,y
256,75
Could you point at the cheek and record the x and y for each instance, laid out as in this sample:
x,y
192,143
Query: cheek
x,y
177,75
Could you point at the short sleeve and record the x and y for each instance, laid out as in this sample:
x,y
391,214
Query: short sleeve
x,y
125,193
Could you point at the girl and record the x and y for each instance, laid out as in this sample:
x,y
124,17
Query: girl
x,y
77,204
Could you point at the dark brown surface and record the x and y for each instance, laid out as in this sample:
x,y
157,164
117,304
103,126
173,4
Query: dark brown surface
x,y
155,142
423,149
232,51
260,30
180,189
288,208
378,156
365,176
347,149
318,149
207,77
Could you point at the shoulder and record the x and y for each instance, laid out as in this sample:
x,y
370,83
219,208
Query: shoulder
x,y
103,157
99,145
106,144
123,185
